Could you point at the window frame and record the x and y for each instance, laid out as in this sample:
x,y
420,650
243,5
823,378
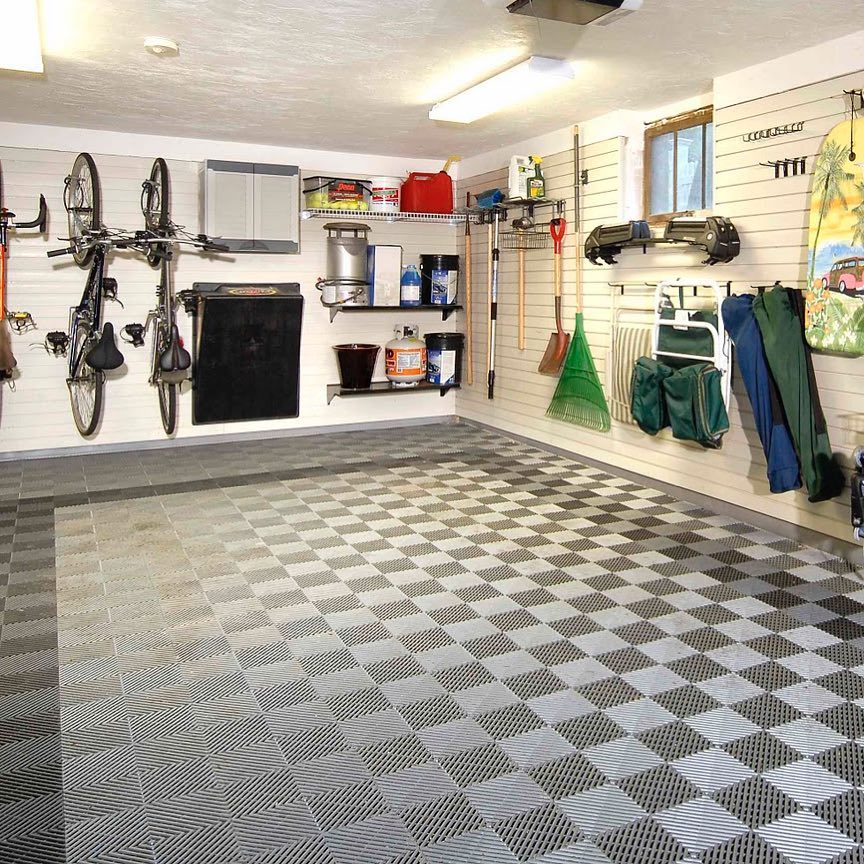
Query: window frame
x,y
699,117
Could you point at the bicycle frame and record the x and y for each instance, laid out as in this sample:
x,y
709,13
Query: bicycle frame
x,y
163,316
89,309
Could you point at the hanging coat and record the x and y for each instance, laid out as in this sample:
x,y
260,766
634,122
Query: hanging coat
x,y
779,314
740,322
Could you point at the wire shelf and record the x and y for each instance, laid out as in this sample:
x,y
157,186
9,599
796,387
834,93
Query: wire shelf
x,y
372,216
524,240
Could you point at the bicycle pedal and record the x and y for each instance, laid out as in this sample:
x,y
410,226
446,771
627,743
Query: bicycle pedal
x,y
133,333
109,288
57,342
189,299
21,322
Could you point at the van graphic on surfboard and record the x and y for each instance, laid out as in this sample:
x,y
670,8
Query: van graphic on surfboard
x,y
845,276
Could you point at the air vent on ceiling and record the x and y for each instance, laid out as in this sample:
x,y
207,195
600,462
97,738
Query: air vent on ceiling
x,y
598,12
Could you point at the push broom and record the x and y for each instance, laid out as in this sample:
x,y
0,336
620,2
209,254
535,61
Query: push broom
x,y
579,397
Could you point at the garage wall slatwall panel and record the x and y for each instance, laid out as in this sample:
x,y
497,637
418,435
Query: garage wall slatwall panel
x,y
772,216
37,415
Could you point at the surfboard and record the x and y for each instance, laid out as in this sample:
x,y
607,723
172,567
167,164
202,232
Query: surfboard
x,y
835,261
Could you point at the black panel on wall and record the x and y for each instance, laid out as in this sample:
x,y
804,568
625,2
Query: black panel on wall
x,y
247,364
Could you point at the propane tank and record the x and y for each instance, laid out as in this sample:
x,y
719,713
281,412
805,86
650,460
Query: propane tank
x,y
405,357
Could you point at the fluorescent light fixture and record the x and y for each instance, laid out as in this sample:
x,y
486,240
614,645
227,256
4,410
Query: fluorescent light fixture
x,y
517,84
20,44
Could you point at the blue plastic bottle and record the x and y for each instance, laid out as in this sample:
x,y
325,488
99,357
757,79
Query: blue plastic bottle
x,y
409,287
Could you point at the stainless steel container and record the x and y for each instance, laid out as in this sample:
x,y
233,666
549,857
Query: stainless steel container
x,y
346,250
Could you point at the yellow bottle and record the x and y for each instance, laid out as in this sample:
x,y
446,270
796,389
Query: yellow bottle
x,y
536,184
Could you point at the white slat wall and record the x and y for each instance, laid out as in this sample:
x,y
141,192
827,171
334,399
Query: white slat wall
x,y
772,217
36,416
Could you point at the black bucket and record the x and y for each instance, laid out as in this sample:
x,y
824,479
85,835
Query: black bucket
x,y
440,274
356,364
444,358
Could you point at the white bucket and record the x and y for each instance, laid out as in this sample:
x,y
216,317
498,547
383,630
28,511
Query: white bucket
x,y
385,194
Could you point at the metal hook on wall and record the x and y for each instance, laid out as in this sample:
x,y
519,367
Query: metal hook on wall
x,y
853,95
790,167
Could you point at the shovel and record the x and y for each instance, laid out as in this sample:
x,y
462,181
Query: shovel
x,y
559,341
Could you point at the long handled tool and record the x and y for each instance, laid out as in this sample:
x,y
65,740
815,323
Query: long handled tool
x,y
469,326
493,302
521,311
579,397
20,320
559,341
489,247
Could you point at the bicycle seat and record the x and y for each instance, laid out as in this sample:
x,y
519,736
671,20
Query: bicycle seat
x,y
106,354
175,358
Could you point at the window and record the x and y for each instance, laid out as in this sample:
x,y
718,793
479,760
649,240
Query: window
x,y
679,155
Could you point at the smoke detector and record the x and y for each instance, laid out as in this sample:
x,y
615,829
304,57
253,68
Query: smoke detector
x,y
597,12
160,46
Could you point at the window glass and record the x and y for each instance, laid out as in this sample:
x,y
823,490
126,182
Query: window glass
x,y
679,156
709,166
690,169
662,172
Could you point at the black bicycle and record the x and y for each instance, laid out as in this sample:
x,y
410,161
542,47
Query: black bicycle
x,y
90,344
171,363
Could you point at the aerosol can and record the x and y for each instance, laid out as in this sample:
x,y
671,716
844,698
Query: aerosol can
x,y
405,357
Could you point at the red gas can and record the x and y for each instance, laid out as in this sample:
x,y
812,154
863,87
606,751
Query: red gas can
x,y
427,193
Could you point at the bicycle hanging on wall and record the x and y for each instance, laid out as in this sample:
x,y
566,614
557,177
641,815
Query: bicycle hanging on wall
x,y
170,361
89,344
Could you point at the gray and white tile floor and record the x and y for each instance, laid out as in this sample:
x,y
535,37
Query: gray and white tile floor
x,y
423,646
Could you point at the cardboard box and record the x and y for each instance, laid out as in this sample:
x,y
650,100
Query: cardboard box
x,y
384,272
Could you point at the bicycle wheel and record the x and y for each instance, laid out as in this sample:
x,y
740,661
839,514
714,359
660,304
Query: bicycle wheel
x,y
83,201
167,391
86,387
155,205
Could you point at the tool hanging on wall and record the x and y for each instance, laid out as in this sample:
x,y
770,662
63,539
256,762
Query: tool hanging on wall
x,y
21,321
559,341
489,247
579,396
521,301
493,301
852,155
469,327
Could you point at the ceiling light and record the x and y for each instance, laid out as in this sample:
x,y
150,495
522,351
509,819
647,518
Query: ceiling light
x,y
161,47
517,84
20,43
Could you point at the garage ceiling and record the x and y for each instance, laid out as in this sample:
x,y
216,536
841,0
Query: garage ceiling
x,y
361,74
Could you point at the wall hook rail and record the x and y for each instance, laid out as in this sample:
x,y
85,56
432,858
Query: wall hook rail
x,y
774,132
789,167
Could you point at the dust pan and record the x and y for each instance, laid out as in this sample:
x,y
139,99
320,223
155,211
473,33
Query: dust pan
x,y
579,398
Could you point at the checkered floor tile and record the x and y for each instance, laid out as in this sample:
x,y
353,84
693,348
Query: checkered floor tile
x,y
448,650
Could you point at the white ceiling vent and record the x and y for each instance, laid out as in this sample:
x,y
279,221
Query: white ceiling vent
x,y
598,12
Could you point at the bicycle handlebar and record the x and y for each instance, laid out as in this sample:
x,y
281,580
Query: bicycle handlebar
x,y
140,241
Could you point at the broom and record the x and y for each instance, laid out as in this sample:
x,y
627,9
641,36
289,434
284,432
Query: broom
x,y
579,397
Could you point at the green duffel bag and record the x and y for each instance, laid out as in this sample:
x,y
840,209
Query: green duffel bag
x,y
694,400
647,402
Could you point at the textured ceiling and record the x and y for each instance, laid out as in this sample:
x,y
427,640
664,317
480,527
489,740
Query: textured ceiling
x,y
361,74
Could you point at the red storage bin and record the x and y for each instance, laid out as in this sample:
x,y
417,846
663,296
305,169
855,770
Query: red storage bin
x,y
427,193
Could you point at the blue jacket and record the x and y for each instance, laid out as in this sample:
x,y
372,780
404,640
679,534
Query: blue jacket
x,y
783,470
